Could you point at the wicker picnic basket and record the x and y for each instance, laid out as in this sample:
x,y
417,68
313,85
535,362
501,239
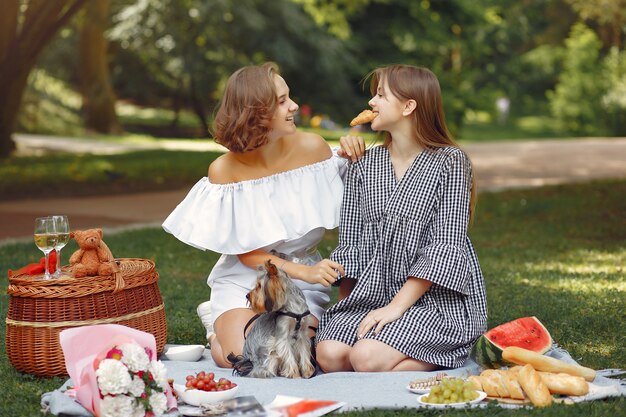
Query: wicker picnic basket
x,y
40,309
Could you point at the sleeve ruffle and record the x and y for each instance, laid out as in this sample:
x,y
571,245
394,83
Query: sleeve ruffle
x,y
348,257
238,218
444,265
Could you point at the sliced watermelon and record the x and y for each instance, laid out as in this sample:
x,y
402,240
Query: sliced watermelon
x,y
525,332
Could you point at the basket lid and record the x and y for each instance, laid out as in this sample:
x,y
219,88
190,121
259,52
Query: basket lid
x,y
133,271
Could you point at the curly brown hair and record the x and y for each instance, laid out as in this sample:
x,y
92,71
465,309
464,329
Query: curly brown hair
x,y
242,122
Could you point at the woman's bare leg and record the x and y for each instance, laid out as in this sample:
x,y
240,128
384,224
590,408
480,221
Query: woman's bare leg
x,y
333,356
374,356
229,336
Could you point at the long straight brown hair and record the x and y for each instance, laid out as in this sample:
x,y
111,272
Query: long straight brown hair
x,y
420,84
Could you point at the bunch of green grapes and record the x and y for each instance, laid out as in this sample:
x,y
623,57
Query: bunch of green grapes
x,y
451,390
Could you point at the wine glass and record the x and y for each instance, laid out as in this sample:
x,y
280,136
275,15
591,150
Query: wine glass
x,y
45,239
62,230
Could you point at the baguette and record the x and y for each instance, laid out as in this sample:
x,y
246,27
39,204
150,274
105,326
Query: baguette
x,y
512,384
475,380
564,384
534,387
492,384
545,363
499,384
365,116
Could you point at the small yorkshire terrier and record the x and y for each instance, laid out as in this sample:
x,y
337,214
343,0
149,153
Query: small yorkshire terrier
x,y
278,344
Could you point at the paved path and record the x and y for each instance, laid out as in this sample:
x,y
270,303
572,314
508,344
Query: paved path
x,y
499,165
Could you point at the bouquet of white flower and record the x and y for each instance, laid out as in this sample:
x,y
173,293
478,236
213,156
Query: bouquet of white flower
x,y
115,371
130,384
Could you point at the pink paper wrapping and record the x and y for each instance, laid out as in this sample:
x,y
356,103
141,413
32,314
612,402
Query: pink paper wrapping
x,y
84,348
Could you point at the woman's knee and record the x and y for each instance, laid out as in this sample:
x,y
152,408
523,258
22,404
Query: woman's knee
x,y
331,356
364,357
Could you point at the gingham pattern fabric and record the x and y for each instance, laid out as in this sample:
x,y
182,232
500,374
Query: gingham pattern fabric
x,y
417,226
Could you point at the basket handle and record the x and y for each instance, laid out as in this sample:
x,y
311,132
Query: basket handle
x,y
120,284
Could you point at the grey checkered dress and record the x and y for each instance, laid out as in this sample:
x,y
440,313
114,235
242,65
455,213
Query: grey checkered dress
x,y
391,230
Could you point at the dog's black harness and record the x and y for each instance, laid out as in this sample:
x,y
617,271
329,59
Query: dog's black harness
x,y
298,318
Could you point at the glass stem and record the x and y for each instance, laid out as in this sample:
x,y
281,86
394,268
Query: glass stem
x,y
47,273
58,268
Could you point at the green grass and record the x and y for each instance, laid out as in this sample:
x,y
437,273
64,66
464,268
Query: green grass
x,y
556,253
479,127
86,174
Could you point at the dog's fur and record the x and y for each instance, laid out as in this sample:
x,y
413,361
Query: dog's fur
x,y
275,345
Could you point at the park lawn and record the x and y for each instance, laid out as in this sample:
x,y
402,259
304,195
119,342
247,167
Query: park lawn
x,y
555,252
66,174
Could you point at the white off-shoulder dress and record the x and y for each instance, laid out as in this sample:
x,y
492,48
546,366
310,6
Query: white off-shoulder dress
x,y
286,213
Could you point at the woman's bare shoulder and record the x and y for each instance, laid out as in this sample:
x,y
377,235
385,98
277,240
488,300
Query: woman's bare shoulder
x,y
221,170
311,147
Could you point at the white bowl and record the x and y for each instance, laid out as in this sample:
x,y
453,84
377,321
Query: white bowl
x,y
187,353
197,397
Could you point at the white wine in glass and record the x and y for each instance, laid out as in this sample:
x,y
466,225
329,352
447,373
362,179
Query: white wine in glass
x,y
62,230
45,239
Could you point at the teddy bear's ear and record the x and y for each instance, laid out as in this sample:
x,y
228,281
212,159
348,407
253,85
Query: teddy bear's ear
x,y
99,231
74,234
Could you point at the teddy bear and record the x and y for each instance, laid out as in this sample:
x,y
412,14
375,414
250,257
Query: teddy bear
x,y
93,258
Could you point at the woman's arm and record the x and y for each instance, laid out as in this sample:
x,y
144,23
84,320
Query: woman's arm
x,y
324,272
444,261
412,290
347,252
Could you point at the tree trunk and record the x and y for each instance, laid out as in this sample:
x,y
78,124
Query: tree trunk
x,y
11,94
23,34
198,108
95,82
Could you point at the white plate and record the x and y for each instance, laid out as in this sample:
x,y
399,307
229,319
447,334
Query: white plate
x,y
186,353
481,396
418,390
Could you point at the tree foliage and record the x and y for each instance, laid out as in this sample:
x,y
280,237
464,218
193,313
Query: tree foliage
x,y
189,47
178,53
576,99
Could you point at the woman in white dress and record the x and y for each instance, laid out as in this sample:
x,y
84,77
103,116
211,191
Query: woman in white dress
x,y
271,196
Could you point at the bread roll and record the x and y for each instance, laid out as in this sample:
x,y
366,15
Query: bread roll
x,y
565,384
534,387
365,116
545,363
512,384
475,380
489,383
493,384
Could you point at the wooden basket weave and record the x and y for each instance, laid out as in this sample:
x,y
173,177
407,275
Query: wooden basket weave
x,y
40,309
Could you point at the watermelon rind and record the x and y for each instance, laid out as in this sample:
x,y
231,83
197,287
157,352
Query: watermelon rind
x,y
525,332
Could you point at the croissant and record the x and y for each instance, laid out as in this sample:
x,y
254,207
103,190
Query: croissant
x,y
365,116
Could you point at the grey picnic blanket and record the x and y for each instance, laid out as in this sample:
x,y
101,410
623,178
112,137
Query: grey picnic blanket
x,y
359,391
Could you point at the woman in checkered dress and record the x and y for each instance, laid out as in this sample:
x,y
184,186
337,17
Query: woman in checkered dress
x,y
418,301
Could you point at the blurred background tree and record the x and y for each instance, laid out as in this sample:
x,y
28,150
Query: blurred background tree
x,y
98,98
26,27
559,61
